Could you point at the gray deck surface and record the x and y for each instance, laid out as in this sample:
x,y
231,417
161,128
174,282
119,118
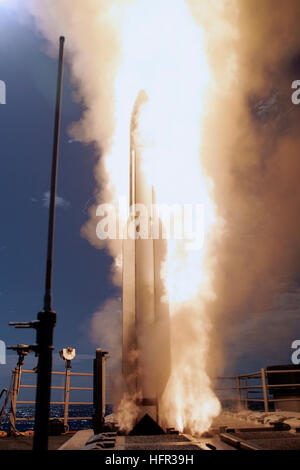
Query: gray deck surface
x,y
163,442
25,442
252,429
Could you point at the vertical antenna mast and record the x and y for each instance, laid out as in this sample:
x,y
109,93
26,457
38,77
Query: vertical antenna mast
x,y
47,318
48,284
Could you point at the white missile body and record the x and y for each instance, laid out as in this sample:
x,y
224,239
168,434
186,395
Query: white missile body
x,y
146,332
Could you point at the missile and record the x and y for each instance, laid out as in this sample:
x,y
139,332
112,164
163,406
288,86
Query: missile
x,y
146,329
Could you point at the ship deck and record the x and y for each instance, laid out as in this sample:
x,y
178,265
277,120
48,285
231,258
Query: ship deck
x,y
230,431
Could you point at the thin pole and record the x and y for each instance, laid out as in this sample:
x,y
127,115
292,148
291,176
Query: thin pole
x,y
47,318
245,384
12,413
238,389
48,283
265,390
67,394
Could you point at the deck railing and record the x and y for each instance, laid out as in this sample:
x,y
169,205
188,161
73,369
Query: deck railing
x,y
67,388
243,389
242,386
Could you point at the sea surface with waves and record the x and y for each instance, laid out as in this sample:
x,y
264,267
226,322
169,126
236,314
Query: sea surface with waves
x,y
57,411
82,412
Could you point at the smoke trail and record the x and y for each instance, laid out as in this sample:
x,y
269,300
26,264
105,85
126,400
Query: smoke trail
x,y
93,55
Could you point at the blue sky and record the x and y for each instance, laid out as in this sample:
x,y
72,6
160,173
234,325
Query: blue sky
x,y
81,272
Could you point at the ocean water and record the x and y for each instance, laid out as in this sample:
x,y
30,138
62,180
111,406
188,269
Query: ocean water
x,y
27,411
57,411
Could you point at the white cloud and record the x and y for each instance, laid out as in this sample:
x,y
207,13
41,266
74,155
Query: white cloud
x,y
60,201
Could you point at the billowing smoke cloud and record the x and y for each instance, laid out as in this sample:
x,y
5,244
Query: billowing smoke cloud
x,y
252,155
93,54
106,331
249,149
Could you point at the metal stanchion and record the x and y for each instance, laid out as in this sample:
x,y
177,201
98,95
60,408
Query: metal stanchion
x,y
67,354
238,389
99,391
245,393
265,390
